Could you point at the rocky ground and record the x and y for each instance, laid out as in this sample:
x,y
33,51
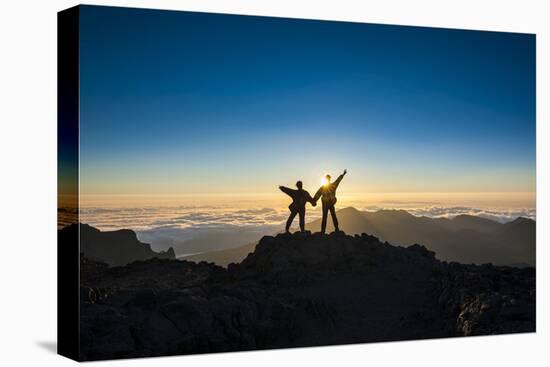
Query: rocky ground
x,y
297,290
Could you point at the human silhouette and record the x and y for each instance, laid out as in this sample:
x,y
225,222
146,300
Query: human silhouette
x,y
300,198
327,192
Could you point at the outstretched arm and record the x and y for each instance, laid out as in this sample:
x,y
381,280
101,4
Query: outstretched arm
x,y
337,182
286,190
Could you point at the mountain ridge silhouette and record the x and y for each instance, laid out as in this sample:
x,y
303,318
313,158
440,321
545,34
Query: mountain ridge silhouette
x,y
464,238
114,248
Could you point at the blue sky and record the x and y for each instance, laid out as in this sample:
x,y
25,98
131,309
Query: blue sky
x,y
176,102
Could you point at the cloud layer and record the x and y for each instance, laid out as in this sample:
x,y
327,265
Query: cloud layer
x,y
193,217
192,229
180,217
497,214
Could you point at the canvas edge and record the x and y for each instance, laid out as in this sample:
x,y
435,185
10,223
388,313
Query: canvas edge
x,y
68,253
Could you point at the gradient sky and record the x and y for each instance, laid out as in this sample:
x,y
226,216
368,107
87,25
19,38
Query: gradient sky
x,y
176,102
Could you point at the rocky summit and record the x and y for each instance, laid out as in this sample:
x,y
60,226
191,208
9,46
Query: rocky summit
x,y
297,290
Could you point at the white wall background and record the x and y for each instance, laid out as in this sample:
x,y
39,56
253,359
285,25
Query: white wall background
x,y
28,181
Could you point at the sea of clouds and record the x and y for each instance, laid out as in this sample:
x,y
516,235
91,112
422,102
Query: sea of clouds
x,y
191,229
141,219
181,217
194,229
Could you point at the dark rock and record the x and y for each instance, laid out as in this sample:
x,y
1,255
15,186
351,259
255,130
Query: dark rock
x,y
422,250
297,290
87,295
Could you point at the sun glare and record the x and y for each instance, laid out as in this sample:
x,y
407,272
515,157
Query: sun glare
x,y
324,181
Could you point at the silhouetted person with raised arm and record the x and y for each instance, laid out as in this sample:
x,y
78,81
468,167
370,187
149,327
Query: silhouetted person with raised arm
x,y
327,192
298,206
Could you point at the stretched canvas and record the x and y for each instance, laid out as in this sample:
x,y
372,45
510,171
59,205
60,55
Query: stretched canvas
x,y
234,183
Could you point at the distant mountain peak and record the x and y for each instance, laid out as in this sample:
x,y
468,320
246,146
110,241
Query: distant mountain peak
x,y
114,248
349,209
470,217
395,211
521,220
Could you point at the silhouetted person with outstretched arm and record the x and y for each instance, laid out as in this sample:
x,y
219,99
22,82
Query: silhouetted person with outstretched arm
x,y
298,206
327,192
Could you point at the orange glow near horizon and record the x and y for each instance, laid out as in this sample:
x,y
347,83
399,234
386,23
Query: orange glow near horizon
x,y
345,198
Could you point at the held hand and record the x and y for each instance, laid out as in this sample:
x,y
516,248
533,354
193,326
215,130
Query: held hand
x,y
313,203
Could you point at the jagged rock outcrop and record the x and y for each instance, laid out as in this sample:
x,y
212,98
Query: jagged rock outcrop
x,y
114,248
297,290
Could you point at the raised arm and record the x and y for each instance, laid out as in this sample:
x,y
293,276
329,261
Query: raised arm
x,y
337,182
